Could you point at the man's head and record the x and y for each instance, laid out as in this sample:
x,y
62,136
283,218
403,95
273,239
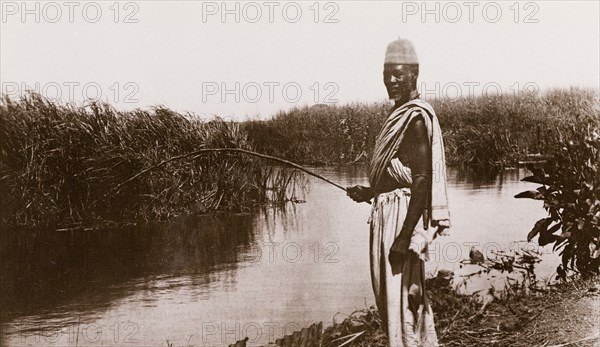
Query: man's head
x,y
400,70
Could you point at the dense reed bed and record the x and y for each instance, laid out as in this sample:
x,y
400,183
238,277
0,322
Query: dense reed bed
x,y
60,165
478,131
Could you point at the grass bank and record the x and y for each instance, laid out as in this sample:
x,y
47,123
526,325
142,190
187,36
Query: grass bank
x,y
565,314
515,317
478,131
60,165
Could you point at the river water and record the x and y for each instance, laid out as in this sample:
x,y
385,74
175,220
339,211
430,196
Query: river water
x,y
209,281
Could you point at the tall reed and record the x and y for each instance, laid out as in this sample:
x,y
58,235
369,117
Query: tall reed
x,y
58,162
478,131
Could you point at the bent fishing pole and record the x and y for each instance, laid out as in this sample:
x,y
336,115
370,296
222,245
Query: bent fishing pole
x,y
231,150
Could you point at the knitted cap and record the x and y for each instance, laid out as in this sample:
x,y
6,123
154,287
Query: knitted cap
x,y
401,51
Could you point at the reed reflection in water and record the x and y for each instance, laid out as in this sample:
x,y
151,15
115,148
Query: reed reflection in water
x,y
209,281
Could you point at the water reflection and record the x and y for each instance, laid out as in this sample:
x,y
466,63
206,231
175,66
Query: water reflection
x,y
479,176
209,281
66,277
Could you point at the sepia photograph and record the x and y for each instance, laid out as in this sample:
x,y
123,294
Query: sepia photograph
x,y
305,173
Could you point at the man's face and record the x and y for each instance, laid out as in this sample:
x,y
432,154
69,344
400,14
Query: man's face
x,y
400,80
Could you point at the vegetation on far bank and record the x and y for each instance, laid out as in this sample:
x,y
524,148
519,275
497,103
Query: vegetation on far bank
x,y
478,131
61,164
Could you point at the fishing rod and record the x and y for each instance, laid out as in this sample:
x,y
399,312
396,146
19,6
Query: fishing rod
x,y
232,150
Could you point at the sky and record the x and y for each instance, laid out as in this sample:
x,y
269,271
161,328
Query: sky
x,y
246,59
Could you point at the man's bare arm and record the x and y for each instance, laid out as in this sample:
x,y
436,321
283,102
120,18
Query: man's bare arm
x,y
418,158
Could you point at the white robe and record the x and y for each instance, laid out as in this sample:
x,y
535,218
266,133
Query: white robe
x,y
400,293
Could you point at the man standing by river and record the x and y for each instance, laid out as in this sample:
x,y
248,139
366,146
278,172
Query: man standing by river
x,y
408,184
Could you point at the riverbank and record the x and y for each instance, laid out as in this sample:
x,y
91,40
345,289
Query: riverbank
x,y
565,314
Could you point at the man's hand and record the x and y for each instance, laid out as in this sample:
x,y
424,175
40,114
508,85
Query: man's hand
x,y
398,254
400,245
360,193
